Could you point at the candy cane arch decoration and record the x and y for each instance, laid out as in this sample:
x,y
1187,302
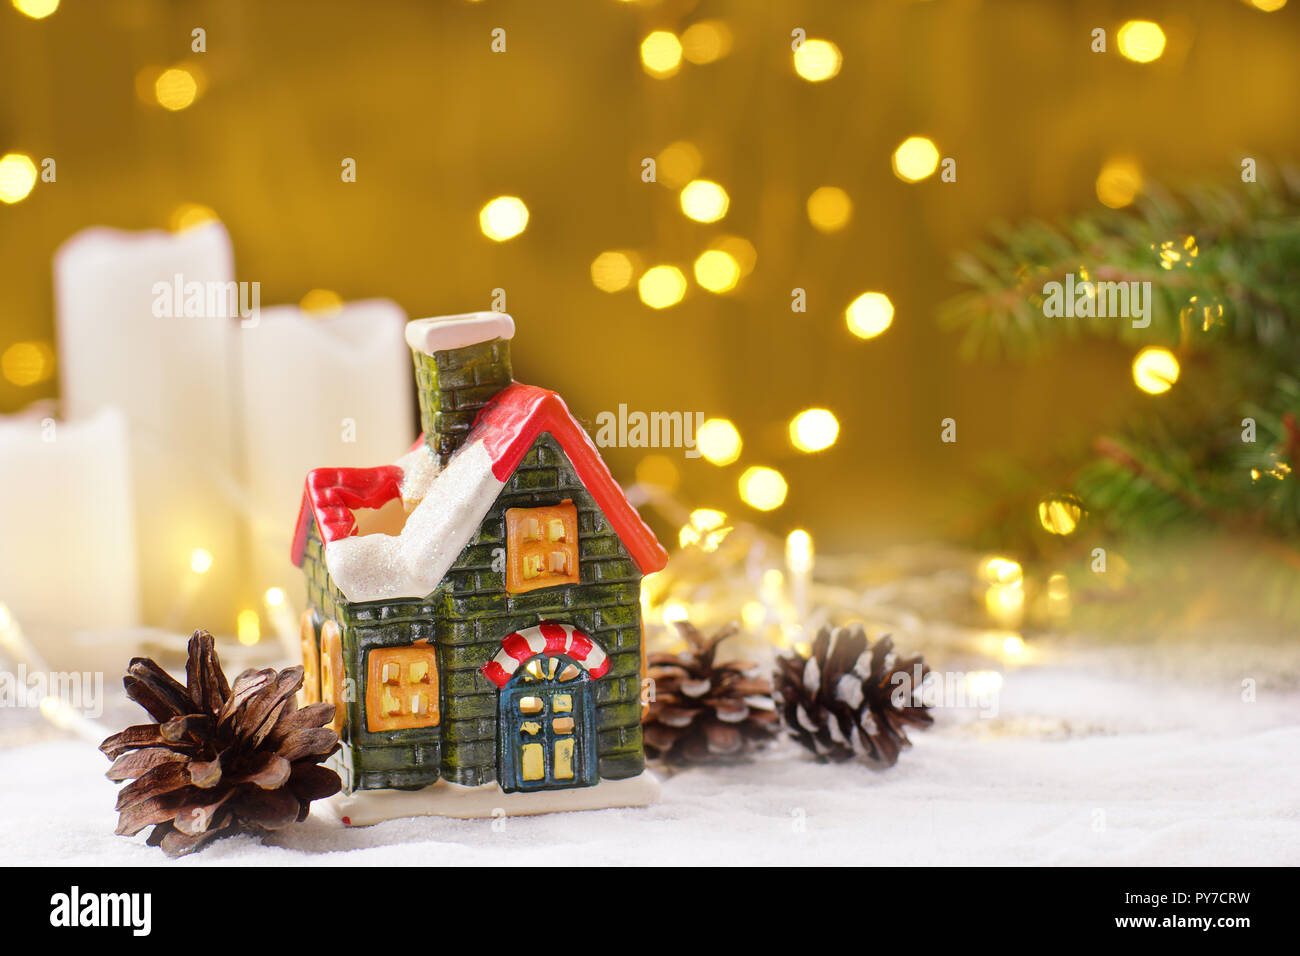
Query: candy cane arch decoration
x,y
548,638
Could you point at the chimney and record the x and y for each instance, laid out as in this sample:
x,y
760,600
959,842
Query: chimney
x,y
461,361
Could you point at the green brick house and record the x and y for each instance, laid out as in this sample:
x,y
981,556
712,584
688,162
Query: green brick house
x,y
474,608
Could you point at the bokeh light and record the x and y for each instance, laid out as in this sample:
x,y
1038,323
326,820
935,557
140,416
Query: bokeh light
x,y
817,60
17,177
1141,41
661,54
274,597
612,271
190,215
915,158
677,164
661,286
706,529
1004,572
799,551
869,314
763,488
27,363
176,88
742,250
321,302
36,9
200,560
659,471
503,218
1268,6
717,271
248,627
1119,181
704,200
718,441
706,41
675,613
829,209
1060,514
1155,370
814,429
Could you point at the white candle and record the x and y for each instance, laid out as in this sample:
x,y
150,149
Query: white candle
x,y
124,342
67,556
318,391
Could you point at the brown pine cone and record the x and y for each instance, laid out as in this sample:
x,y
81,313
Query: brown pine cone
x,y
220,760
842,698
704,712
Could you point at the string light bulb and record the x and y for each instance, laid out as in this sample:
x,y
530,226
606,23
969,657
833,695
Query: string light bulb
x,y
718,441
717,271
763,488
17,177
704,200
321,302
869,314
176,88
814,429
915,159
799,551
612,271
1060,515
817,60
248,627
1119,181
503,218
829,209
36,9
661,287
1141,41
1155,370
661,54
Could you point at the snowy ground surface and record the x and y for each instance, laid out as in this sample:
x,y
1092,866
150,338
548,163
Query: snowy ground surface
x,y
1096,758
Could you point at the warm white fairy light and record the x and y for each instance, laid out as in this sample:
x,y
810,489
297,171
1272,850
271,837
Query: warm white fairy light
x,y
200,560
799,562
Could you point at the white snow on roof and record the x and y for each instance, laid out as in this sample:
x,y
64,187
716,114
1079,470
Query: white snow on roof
x,y
443,332
376,567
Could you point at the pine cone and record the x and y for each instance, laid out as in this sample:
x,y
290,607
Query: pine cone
x,y
220,760
844,691
706,712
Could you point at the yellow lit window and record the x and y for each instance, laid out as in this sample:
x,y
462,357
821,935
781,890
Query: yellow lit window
x,y
541,547
401,688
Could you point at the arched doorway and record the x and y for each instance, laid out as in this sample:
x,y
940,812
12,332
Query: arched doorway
x,y
546,716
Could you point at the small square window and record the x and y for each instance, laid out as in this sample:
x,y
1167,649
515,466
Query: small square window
x,y
541,547
401,688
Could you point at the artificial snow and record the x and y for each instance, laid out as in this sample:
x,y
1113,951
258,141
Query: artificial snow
x,y
1077,766
377,567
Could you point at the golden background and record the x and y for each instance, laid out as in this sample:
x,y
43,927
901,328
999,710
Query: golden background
x,y
439,124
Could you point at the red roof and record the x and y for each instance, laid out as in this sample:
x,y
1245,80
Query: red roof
x,y
332,493
507,427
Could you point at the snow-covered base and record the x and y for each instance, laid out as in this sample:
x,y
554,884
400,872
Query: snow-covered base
x,y
444,799
1105,756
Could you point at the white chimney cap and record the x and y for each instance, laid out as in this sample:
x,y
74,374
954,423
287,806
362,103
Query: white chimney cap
x,y
441,333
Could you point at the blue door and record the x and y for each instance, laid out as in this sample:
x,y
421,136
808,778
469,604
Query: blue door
x,y
546,727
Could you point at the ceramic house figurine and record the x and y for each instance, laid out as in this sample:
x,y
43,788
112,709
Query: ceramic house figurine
x,y
474,607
